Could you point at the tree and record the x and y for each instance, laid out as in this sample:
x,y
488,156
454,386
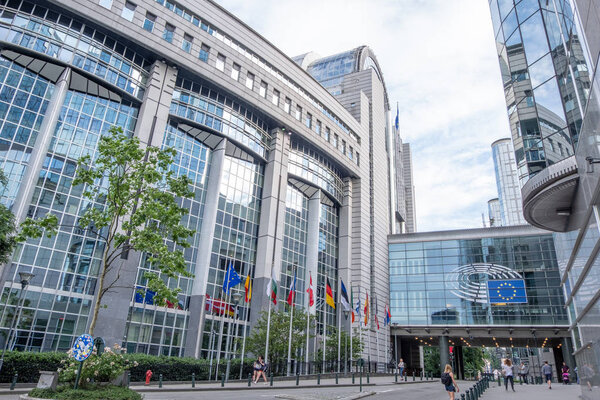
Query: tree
x,y
331,350
133,206
279,335
473,359
7,228
432,360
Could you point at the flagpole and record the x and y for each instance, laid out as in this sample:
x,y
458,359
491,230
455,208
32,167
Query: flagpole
x,y
324,333
351,323
307,325
221,328
245,329
289,357
339,325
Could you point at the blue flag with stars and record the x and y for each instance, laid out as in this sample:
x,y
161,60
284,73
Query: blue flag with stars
x,y
231,279
507,291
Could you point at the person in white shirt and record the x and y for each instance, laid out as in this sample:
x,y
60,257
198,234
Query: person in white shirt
x,y
507,371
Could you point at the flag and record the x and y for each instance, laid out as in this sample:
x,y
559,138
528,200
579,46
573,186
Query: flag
x,y
218,307
367,309
397,122
329,295
272,287
311,299
388,315
344,298
352,301
358,304
292,294
377,321
248,288
231,279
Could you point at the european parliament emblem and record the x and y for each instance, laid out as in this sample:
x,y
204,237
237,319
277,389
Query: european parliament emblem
x,y
507,291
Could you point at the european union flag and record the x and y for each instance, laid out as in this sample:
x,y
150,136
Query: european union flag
x,y
507,291
231,279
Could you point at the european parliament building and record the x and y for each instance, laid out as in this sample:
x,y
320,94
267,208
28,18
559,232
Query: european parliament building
x,y
281,153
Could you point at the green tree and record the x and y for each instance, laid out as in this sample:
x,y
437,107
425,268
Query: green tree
x,y
134,204
431,356
279,334
8,228
473,360
331,351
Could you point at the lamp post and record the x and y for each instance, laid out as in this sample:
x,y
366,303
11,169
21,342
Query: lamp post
x,y
236,300
25,278
346,313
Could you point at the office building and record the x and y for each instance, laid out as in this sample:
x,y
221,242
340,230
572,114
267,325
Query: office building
x,y
509,191
283,170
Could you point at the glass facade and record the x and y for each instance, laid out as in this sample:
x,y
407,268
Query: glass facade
x,y
445,282
546,81
327,262
509,191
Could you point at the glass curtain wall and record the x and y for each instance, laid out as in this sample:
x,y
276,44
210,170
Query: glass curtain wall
x,y
327,263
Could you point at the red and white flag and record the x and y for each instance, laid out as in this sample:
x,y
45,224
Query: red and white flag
x,y
311,297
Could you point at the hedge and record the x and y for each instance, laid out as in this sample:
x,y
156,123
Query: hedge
x,y
28,365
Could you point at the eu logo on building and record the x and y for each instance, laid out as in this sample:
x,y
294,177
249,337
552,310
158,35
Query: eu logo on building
x,y
507,291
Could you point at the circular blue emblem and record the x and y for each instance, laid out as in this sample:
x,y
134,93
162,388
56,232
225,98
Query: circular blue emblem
x,y
83,347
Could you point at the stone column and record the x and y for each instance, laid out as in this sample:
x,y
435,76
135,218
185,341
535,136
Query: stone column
x,y
444,355
193,340
345,241
272,215
150,129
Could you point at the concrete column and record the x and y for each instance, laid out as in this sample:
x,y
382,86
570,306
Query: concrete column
x,y
193,339
272,215
312,253
150,129
444,355
345,240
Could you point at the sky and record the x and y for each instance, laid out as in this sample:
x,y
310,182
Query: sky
x,y
439,63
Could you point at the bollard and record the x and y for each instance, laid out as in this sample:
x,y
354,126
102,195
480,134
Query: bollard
x,y
194,380
353,377
462,396
468,394
319,378
368,378
223,380
361,380
413,375
160,380
422,372
336,378
396,377
128,378
249,379
405,377
14,382
297,378
271,383
499,384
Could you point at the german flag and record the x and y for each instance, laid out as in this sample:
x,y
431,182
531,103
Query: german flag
x,y
329,295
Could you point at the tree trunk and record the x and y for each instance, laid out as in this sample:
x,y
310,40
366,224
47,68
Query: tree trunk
x,y
100,288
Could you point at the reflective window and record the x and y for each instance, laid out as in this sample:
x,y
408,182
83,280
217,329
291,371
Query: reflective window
x,y
534,38
186,43
308,121
275,98
298,113
220,64
287,106
169,32
318,127
149,22
106,3
250,80
203,55
335,140
263,89
235,72
128,11
328,134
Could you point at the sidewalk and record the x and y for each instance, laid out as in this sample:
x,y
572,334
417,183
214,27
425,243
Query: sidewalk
x,y
533,392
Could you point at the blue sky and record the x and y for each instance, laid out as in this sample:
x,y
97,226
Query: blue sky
x,y
439,62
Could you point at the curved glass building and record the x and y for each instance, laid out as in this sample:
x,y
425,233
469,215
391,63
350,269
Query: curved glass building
x,y
280,156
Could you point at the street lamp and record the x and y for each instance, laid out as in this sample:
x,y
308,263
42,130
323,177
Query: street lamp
x,y
235,298
25,278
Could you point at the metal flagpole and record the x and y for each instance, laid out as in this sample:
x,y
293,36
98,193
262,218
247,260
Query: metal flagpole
x,y
269,319
307,325
351,324
339,324
324,334
289,357
220,342
244,340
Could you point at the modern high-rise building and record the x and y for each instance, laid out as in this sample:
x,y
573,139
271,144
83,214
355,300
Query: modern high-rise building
x,y
291,166
509,191
495,219
548,54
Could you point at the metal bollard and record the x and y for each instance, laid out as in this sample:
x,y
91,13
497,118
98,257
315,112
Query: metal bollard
x,y
223,380
361,381
353,377
368,378
319,378
405,378
194,380
14,381
499,384
396,377
160,380
297,379
336,378
468,394
422,372
128,378
249,379
462,396
413,375
271,384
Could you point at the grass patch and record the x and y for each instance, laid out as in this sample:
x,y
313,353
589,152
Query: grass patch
x,y
89,393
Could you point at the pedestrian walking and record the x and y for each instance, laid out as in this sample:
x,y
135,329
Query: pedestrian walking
x,y
401,366
449,382
507,371
565,373
259,369
523,372
547,372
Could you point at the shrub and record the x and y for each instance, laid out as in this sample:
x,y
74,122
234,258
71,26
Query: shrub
x,y
91,393
28,365
98,367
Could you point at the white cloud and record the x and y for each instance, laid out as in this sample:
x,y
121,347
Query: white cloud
x,y
439,63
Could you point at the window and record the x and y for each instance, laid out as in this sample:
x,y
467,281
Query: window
x,y
298,113
235,72
357,159
169,33
308,121
318,127
343,147
327,134
287,106
106,3
263,89
128,11
250,81
149,22
220,62
186,44
275,99
203,55
335,140
350,153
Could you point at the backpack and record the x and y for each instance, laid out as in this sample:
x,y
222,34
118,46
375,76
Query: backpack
x,y
446,379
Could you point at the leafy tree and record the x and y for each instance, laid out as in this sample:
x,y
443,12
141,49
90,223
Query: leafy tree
x,y
278,335
133,206
331,350
7,228
473,359
431,356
